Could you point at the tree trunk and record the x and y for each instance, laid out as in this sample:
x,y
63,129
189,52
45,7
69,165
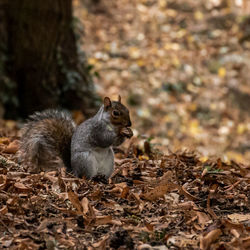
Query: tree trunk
x,y
43,63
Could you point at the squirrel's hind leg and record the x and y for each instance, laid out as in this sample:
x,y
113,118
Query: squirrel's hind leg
x,y
84,164
34,155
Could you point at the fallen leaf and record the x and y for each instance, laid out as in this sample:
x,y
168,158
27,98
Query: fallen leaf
x,y
187,194
3,181
246,242
203,218
239,217
85,205
149,226
12,148
4,210
222,72
198,15
101,244
206,241
156,193
125,192
4,140
209,209
21,187
75,201
102,220
7,243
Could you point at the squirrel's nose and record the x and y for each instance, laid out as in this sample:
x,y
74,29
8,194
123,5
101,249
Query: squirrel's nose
x,y
129,124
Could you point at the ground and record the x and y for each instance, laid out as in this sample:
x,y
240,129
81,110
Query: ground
x,y
152,201
182,66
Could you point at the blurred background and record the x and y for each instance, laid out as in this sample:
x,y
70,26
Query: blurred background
x,y
181,66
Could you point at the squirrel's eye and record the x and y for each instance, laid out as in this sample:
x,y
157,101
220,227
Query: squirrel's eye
x,y
116,113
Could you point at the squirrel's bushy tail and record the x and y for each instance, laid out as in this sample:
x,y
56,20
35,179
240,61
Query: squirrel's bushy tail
x,y
46,138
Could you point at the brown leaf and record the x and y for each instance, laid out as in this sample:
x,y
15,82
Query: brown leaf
x,y
4,210
75,201
6,162
102,220
66,243
239,217
188,205
166,178
144,246
51,178
12,201
187,194
138,182
204,172
235,233
78,116
207,240
12,148
7,243
4,140
21,187
156,193
125,192
230,225
65,210
233,185
209,209
46,222
246,242
85,205
163,185
202,218
3,181
149,226
101,244
91,212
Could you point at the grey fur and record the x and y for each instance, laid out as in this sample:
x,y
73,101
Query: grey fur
x,y
91,146
51,138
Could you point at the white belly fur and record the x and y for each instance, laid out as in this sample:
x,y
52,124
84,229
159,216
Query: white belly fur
x,y
104,160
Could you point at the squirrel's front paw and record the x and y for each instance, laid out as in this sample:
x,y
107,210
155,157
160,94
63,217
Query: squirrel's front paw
x,y
126,132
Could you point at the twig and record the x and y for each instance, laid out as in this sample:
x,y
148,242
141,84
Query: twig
x,y
209,209
233,185
6,227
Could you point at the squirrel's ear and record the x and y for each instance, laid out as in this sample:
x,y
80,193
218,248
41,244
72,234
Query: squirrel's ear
x,y
119,99
107,103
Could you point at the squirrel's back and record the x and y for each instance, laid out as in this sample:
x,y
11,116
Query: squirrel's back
x,y
46,138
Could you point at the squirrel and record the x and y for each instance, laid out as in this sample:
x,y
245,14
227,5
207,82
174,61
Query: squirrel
x,y
52,138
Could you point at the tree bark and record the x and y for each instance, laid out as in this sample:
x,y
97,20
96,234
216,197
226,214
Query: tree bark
x,y
43,60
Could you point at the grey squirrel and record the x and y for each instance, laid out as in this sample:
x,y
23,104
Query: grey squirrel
x,y
51,138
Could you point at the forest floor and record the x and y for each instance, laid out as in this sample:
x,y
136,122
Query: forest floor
x,y
182,67
183,71
152,201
